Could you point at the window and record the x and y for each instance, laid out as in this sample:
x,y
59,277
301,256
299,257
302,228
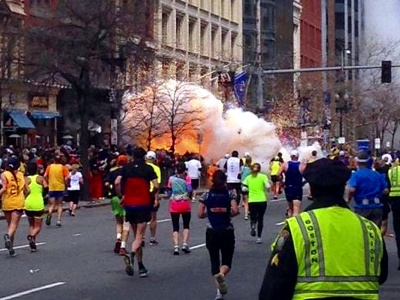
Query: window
x,y
224,40
203,37
178,31
214,47
164,31
233,44
192,35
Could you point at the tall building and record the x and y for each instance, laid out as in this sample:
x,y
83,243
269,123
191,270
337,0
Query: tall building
x,y
198,36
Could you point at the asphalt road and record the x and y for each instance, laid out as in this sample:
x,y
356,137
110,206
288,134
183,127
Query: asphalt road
x,y
77,262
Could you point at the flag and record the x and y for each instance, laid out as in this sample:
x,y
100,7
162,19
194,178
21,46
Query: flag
x,y
239,87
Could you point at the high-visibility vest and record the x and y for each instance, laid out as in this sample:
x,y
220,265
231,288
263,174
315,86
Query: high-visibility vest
x,y
394,178
338,254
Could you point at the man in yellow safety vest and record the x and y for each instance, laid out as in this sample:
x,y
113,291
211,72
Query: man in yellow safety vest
x,y
394,199
327,251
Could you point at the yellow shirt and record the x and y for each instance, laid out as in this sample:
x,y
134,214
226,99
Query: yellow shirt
x,y
158,173
13,198
56,174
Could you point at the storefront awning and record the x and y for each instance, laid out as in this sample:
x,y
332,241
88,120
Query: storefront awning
x,y
21,120
45,114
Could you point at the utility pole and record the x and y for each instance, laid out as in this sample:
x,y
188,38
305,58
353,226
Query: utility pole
x,y
260,83
324,47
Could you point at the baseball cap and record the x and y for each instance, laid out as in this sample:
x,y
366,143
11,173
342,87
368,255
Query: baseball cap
x,y
226,155
341,153
13,162
151,155
294,153
122,160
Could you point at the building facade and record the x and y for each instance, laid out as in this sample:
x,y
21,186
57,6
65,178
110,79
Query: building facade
x,y
197,36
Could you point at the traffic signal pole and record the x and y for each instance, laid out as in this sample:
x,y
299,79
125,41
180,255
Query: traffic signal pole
x,y
325,69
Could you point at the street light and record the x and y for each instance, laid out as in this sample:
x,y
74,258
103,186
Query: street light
x,y
343,106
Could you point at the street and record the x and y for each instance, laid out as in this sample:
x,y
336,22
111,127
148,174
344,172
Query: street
x,y
77,261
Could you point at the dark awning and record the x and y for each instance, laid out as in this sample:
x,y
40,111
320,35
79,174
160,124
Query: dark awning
x,y
21,120
45,114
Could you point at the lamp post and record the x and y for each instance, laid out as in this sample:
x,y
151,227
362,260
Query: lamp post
x,y
343,106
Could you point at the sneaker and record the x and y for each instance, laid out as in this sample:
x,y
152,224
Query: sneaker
x,y
253,231
128,259
259,241
58,224
275,197
143,272
48,220
186,249
176,250
117,246
122,252
32,243
7,241
219,296
221,283
153,242
70,212
246,218
12,252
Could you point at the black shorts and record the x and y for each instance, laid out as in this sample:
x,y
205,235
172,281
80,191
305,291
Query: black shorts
x,y
73,196
195,184
275,178
138,217
293,193
34,214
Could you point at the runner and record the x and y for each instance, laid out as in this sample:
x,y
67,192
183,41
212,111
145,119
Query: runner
x,y
293,183
74,189
246,171
34,203
257,184
13,191
57,176
233,166
151,159
133,186
179,188
274,167
218,205
193,167
117,209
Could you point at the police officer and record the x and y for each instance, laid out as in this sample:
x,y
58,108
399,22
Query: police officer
x,y
309,262
394,199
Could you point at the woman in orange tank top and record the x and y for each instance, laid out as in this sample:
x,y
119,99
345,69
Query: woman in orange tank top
x,y
13,192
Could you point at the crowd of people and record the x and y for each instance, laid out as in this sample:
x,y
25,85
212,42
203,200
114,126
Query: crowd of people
x,y
133,179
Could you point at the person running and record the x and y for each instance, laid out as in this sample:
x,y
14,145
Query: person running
x,y
75,179
274,167
257,184
233,166
293,183
383,167
13,191
34,203
57,176
151,160
133,187
246,171
179,188
219,206
116,207
193,167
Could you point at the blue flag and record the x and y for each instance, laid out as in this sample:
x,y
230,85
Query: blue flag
x,y
239,87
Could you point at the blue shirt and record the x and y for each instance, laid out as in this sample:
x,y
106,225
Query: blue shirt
x,y
368,184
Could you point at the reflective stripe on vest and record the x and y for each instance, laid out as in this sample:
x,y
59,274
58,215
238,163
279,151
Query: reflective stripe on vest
x,y
394,182
319,246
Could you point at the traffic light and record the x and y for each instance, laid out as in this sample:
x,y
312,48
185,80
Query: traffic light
x,y
386,76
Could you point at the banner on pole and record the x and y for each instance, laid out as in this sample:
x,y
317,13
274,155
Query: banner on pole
x,y
239,87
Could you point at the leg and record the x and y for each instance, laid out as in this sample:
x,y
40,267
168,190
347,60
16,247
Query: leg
x,y
246,206
261,208
124,237
153,228
227,246
37,227
59,209
296,207
52,203
175,231
212,245
119,220
186,227
253,219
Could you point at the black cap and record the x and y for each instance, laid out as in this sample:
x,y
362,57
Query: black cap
x,y
326,172
362,157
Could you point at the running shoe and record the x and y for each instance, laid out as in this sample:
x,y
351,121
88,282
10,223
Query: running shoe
x,y
32,243
48,220
70,212
219,296
275,197
58,224
246,218
143,272
128,259
221,283
7,241
12,252
117,246
186,249
153,242
259,241
122,252
176,250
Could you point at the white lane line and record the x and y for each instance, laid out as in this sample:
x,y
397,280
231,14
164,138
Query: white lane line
x,y
161,221
31,291
280,223
193,247
20,247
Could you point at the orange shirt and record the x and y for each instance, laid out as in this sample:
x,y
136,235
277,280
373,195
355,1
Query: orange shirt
x,y
13,197
56,174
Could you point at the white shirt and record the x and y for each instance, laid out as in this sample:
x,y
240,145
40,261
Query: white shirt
x,y
233,170
193,167
74,181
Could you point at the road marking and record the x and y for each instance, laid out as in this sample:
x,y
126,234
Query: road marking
x,y
280,223
194,247
277,200
31,291
77,234
20,247
161,221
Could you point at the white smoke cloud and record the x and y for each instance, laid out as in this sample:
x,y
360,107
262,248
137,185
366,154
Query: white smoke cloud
x,y
222,133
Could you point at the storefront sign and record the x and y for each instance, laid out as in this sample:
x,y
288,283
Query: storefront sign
x,y
39,101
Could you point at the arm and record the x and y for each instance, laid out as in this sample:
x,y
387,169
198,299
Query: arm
x,y
4,184
117,185
282,169
26,189
201,211
281,274
234,208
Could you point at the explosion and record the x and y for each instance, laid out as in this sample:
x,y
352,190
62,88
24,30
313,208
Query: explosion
x,y
199,121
